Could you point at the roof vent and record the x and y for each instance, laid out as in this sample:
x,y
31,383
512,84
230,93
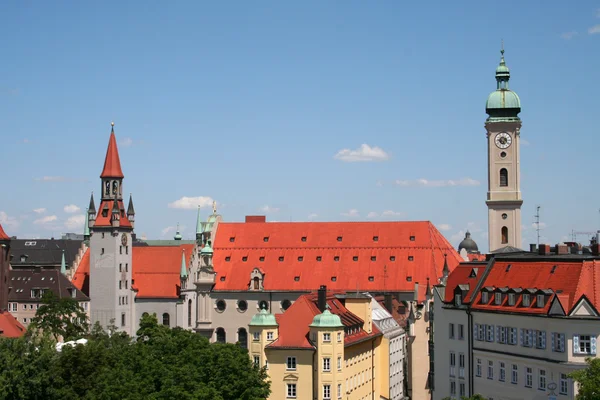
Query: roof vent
x,y
508,267
553,269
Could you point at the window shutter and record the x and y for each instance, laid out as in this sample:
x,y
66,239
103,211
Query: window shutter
x,y
544,340
552,335
575,344
593,344
521,336
475,331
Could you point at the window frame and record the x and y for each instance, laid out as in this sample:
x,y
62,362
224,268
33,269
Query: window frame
x,y
290,364
291,390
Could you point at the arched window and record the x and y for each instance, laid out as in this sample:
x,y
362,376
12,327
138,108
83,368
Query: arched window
x,y
285,304
504,235
221,335
243,338
190,312
166,319
115,186
256,283
145,314
107,188
503,177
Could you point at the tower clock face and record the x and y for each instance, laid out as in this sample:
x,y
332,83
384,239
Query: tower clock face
x,y
124,239
503,140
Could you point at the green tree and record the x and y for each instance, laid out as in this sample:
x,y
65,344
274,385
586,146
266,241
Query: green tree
x,y
60,317
588,380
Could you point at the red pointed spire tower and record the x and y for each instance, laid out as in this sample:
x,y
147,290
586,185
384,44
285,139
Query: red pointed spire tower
x,y
112,188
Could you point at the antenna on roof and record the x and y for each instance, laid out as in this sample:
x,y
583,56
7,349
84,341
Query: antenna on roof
x,y
537,224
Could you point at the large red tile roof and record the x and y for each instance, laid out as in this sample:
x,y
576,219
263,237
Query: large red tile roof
x,y
155,270
9,326
112,163
294,323
567,280
239,248
3,235
102,221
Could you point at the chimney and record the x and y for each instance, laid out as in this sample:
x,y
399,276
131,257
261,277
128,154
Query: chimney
x,y
596,249
544,249
322,299
387,301
256,218
533,248
562,248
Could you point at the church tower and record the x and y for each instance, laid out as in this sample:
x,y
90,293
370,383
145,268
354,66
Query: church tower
x,y
111,230
504,177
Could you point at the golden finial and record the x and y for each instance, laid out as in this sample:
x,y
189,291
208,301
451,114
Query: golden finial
x,y
112,124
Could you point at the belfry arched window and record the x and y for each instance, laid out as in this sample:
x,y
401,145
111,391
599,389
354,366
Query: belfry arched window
x,y
504,235
503,177
221,335
190,312
256,282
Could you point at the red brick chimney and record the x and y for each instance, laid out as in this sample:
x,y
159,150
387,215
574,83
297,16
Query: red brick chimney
x,y
562,248
544,249
256,218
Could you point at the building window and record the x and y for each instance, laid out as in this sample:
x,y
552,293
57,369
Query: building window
x,y
327,337
461,365
504,235
291,390
120,249
243,338
221,305
339,391
540,339
528,377
122,319
126,249
511,299
540,300
166,319
326,391
281,259
514,379
326,364
411,258
261,258
461,332
461,387
245,258
339,337
375,238
339,363
498,298
339,238
451,331
490,333
291,363
228,258
503,177
484,297
256,336
564,386
101,250
452,363
502,372
190,312
336,258
412,238
458,299
263,305
526,300
126,267
392,258
583,344
490,374
558,342
221,337
319,258
257,362
452,387
269,335
478,369
373,258
542,380
120,267
285,304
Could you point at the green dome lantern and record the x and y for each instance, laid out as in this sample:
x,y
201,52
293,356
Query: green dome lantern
x,y
503,105
326,320
263,318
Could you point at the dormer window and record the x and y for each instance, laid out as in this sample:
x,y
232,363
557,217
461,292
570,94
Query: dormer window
x,y
261,258
484,298
336,258
373,258
232,239
355,258
227,258
511,299
375,238
266,239
498,298
526,300
245,258
319,258
339,238
412,238
281,258
540,300
303,238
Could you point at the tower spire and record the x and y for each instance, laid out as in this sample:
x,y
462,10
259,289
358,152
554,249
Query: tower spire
x,y
178,234
63,264
183,273
112,163
199,226
92,206
86,227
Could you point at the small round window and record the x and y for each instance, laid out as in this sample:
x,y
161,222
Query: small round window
x,y
503,154
221,305
263,305
242,305
504,216
285,304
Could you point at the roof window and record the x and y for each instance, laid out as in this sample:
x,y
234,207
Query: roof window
x,y
409,278
336,258
371,278
232,239
222,279
261,258
300,258
355,258
227,258
411,258
319,258
303,238
412,238
373,258
245,258
339,238
333,278
297,278
553,269
280,258
376,238
266,239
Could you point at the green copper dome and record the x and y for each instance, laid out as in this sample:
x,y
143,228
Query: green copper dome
x,y
263,318
212,218
326,320
206,249
503,104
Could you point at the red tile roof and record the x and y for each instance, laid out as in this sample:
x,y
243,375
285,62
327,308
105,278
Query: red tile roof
x,y
9,326
365,254
461,276
105,221
569,280
476,257
294,323
3,235
155,270
112,163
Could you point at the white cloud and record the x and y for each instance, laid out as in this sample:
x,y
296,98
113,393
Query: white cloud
x,y
7,221
190,203
45,220
444,227
363,153
75,222
372,214
312,216
27,141
51,179
534,225
168,229
390,213
566,36
457,237
39,210
352,213
594,29
268,209
126,142
71,208
437,183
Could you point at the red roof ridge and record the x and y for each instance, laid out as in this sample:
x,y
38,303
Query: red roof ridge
x,y
112,163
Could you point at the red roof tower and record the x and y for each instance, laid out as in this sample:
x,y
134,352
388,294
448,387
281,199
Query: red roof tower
x,y
112,163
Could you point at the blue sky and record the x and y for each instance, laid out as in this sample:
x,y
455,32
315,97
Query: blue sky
x,y
248,103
